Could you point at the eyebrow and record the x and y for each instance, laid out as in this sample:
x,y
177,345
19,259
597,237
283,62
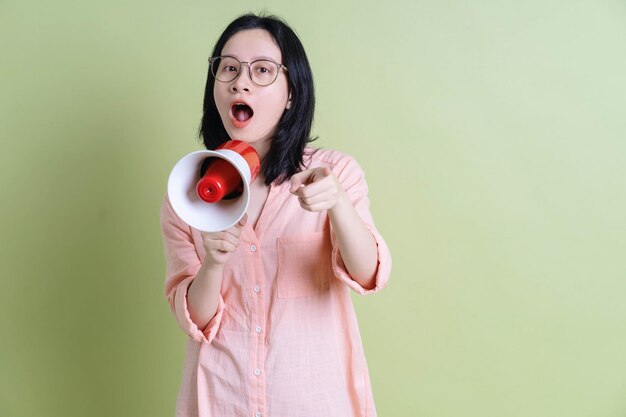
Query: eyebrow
x,y
255,58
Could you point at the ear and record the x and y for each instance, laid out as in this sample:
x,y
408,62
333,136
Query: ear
x,y
288,106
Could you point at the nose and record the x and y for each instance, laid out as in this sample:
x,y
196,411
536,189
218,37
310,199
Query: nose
x,y
242,82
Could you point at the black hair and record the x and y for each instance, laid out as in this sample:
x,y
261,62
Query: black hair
x,y
285,156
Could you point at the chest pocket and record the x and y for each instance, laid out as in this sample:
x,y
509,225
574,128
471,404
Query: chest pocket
x,y
304,265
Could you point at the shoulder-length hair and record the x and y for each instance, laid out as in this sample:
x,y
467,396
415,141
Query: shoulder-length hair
x,y
285,156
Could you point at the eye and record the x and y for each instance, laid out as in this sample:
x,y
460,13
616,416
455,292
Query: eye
x,y
228,65
262,69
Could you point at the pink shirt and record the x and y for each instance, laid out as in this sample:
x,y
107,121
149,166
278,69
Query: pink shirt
x,y
284,341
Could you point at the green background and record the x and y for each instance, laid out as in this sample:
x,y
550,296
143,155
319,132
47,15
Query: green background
x,y
492,134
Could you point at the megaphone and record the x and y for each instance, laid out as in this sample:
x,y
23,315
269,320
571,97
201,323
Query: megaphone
x,y
210,190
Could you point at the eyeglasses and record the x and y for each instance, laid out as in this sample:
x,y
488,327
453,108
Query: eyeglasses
x,y
262,72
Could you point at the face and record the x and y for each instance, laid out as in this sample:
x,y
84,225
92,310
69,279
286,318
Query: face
x,y
249,112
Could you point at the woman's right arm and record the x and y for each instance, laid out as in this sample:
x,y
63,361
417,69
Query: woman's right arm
x,y
198,311
203,296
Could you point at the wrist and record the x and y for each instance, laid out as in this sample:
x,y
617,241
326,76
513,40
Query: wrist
x,y
210,268
342,203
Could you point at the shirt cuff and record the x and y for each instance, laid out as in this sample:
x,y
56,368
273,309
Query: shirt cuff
x,y
383,269
183,317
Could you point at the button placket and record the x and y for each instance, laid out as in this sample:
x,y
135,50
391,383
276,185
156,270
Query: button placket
x,y
257,353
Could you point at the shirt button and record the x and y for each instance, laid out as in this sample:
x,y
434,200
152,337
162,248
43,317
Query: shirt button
x,y
257,372
256,289
257,329
252,248
257,414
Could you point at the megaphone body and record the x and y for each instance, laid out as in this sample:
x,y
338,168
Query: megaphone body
x,y
217,199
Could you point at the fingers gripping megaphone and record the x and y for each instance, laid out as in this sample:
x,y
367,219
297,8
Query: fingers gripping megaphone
x,y
210,190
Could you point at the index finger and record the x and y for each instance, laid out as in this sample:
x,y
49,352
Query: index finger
x,y
300,179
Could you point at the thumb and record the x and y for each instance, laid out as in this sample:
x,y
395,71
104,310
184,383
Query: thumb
x,y
321,172
242,222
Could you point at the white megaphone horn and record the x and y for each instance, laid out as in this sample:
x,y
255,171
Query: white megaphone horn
x,y
210,190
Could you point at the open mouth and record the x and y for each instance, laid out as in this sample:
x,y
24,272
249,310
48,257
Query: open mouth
x,y
241,112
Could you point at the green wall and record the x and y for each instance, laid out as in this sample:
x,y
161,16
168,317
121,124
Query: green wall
x,y
492,134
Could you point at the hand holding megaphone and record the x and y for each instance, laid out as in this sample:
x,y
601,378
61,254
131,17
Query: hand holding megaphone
x,y
210,190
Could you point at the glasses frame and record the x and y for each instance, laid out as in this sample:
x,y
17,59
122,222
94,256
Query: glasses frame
x,y
249,64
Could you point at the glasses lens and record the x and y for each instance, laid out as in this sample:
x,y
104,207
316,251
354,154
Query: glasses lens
x,y
225,68
263,72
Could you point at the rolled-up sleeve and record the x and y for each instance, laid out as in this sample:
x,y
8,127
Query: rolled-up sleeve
x,y
182,265
352,177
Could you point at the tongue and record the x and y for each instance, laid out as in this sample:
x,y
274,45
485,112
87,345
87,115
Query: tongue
x,y
243,113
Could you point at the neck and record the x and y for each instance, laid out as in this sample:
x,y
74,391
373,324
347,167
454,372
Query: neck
x,y
262,147
259,181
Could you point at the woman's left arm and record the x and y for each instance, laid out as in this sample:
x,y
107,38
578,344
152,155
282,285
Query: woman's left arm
x,y
318,189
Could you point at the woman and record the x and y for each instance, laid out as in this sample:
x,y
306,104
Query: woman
x,y
266,303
